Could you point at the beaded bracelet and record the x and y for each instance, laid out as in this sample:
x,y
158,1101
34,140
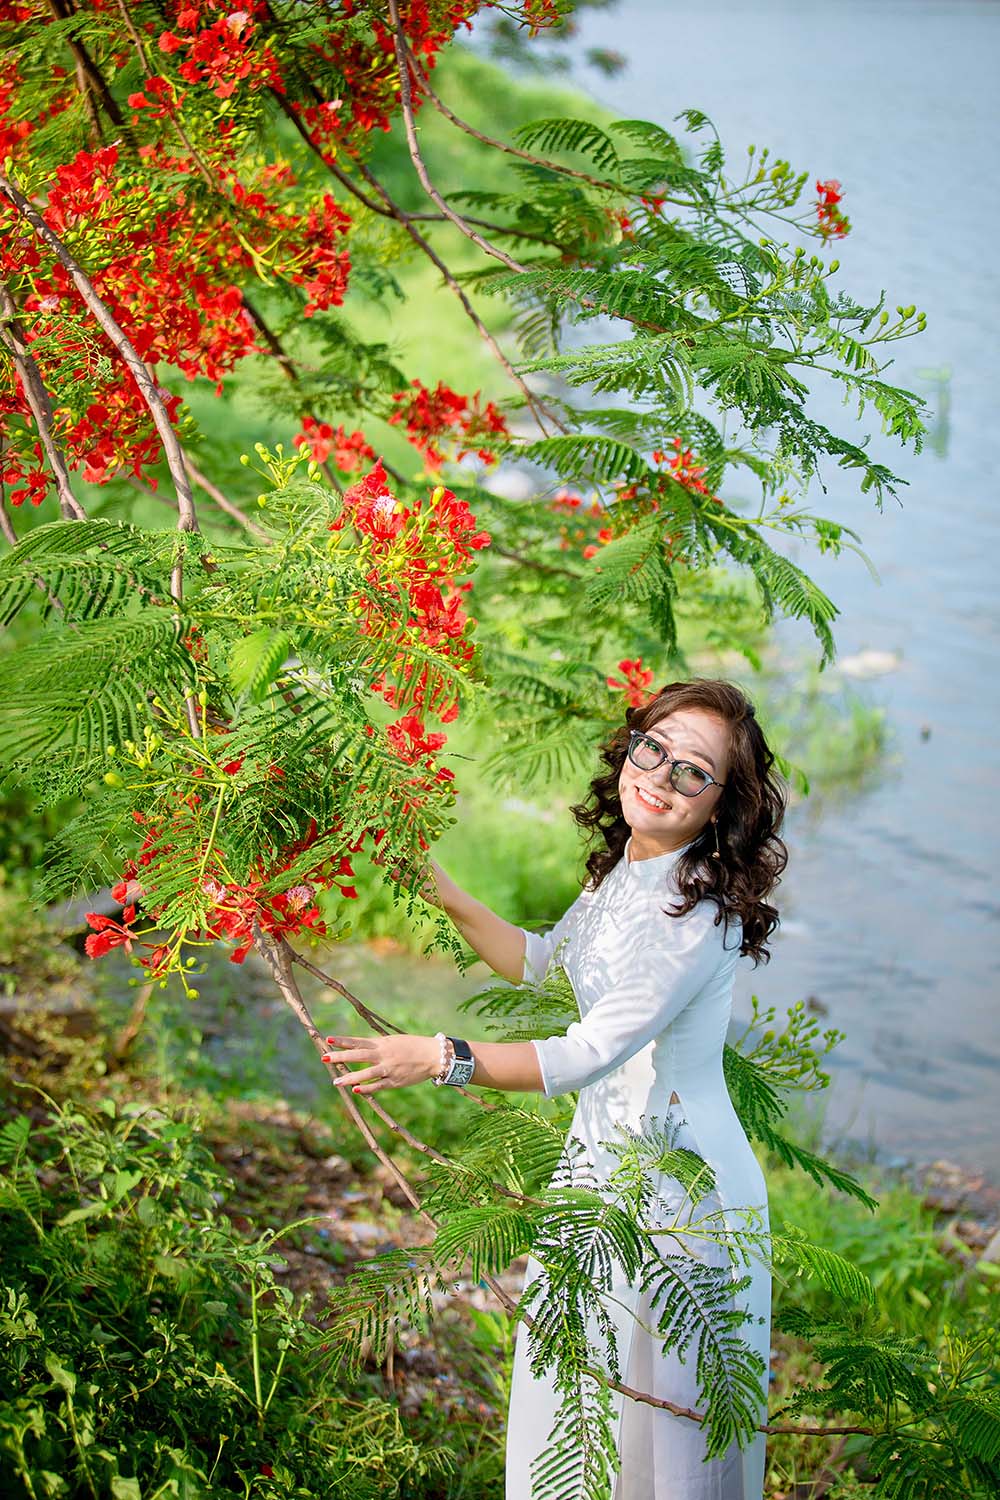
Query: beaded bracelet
x,y
447,1057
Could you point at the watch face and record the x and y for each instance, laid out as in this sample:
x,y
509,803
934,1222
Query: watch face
x,y
462,1071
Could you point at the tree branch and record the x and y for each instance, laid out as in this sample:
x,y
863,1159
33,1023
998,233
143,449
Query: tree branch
x,y
406,104
86,65
12,335
504,146
391,210
277,957
218,498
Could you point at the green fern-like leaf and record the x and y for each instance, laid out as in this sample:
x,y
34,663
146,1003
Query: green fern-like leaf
x,y
759,1106
579,137
255,661
831,1270
974,1417
80,687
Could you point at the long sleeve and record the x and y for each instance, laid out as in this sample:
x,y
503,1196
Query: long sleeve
x,y
639,996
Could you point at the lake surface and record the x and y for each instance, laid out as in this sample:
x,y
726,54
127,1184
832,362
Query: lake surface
x,y
890,906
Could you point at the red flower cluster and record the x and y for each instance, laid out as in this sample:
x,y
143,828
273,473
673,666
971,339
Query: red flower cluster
x,y
833,224
222,47
573,505
108,934
170,261
416,554
679,467
235,908
430,415
684,468
636,684
179,309
348,449
371,82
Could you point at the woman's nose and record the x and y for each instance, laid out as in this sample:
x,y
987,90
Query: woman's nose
x,y
661,776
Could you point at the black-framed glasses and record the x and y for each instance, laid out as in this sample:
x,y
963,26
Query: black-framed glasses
x,y
647,754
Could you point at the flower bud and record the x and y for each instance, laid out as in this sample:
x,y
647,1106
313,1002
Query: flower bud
x,y
112,778
244,459
262,501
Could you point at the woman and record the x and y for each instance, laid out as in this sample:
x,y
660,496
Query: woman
x,y
688,812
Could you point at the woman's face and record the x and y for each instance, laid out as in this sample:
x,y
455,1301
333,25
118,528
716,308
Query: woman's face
x,y
660,817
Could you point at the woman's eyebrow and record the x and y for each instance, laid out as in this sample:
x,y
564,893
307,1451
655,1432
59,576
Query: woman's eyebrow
x,y
702,753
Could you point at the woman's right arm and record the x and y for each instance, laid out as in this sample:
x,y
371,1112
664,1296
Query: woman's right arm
x,y
498,943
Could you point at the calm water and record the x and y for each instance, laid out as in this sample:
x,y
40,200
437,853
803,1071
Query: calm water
x,y
890,906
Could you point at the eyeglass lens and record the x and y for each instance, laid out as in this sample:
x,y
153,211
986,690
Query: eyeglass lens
x,y
688,779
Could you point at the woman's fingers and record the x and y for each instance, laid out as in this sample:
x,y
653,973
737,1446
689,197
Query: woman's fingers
x,y
360,1075
382,1062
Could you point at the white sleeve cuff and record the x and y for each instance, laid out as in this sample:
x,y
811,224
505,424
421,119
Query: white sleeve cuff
x,y
547,1088
537,952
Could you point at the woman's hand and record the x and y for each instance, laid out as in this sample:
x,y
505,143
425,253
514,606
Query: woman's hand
x,y
388,1062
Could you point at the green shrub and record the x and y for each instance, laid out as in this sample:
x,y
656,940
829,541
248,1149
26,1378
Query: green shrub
x,y
146,1349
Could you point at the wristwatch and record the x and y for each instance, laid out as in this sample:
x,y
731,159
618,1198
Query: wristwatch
x,y
463,1064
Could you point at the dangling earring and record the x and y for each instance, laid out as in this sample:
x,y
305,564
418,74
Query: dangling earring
x,y
716,854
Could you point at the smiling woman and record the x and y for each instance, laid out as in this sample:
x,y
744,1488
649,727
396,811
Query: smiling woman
x,y
654,988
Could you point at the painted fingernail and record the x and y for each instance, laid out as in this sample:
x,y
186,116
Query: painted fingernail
x,y
332,1040
326,1057
356,1089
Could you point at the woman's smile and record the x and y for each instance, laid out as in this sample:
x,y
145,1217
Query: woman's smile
x,y
651,800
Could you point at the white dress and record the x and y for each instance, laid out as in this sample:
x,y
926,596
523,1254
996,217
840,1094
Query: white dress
x,y
655,994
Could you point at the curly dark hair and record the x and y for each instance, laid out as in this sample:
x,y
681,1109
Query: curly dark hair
x,y
750,814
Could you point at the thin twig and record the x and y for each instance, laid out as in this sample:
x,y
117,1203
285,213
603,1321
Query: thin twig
x,y
389,209
538,411
217,497
504,146
406,105
374,1020
378,1023
276,955
13,337
85,64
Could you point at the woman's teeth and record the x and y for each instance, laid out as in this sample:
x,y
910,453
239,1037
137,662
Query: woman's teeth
x,y
656,803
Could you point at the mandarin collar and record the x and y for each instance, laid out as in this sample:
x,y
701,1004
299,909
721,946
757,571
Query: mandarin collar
x,y
649,872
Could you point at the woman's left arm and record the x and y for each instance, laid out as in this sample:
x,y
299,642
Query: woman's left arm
x,y
393,1062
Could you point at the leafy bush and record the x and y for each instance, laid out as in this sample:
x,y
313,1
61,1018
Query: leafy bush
x,y
147,1349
